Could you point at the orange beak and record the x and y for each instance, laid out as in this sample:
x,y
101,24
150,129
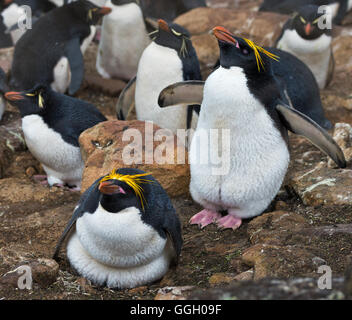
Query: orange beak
x,y
13,96
105,10
163,25
109,188
308,29
224,35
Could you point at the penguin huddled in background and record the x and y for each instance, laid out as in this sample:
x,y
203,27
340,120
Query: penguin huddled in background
x,y
169,58
52,123
14,12
51,52
124,37
339,8
3,89
124,232
243,96
302,37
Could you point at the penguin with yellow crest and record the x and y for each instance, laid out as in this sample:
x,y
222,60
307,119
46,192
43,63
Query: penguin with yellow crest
x,y
124,231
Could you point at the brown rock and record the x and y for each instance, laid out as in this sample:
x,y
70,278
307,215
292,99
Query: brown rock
x,y
343,137
245,276
6,56
278,261
103,149
42,271
111,87
173,293
138,290
323,186
221,278
272,228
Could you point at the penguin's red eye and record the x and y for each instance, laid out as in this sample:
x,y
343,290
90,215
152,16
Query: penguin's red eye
x,y
245,51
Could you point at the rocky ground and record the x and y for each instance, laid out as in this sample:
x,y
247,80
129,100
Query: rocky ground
x,y
276,255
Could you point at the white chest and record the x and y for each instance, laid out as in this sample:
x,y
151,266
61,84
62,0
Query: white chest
x,y
48,146
123,39
62,71
316,54
159,67
119,239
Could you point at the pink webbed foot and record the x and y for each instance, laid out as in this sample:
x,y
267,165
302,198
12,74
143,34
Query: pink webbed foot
x,y
229,222
204,218
41,179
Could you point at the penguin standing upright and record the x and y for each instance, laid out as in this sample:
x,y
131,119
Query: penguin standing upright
x,y
302,37
52,123
169,58
124,231
244,97
43,53
124,37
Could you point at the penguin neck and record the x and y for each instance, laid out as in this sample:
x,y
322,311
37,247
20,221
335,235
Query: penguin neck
x,y
117,203
237,92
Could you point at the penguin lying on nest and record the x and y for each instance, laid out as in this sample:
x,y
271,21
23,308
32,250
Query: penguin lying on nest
x,y
168,59
51,52
243,96
52,123
302,37
124,231
339,8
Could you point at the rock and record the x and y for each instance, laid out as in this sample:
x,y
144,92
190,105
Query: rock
x,y
6,56
42,271
271,261
261,27
137,291
245,276
85,285
111,87
273,227
173,293
323,186
343,137
296,288
221,278
103,149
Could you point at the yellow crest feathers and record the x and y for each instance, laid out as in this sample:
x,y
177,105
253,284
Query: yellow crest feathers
x,y
257,50
134,181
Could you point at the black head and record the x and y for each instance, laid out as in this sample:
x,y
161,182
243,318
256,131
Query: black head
x,y
121,191
306,22
173,36
243,53
31,101
87,11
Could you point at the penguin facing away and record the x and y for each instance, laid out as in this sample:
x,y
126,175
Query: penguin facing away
x,y
242,95
168,59
302,37
39,54
124,232
124,37
339,8
52,123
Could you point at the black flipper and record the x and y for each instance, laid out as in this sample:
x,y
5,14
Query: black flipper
x,y
185,92
172,228
300,124
75,58
126,100
87,203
